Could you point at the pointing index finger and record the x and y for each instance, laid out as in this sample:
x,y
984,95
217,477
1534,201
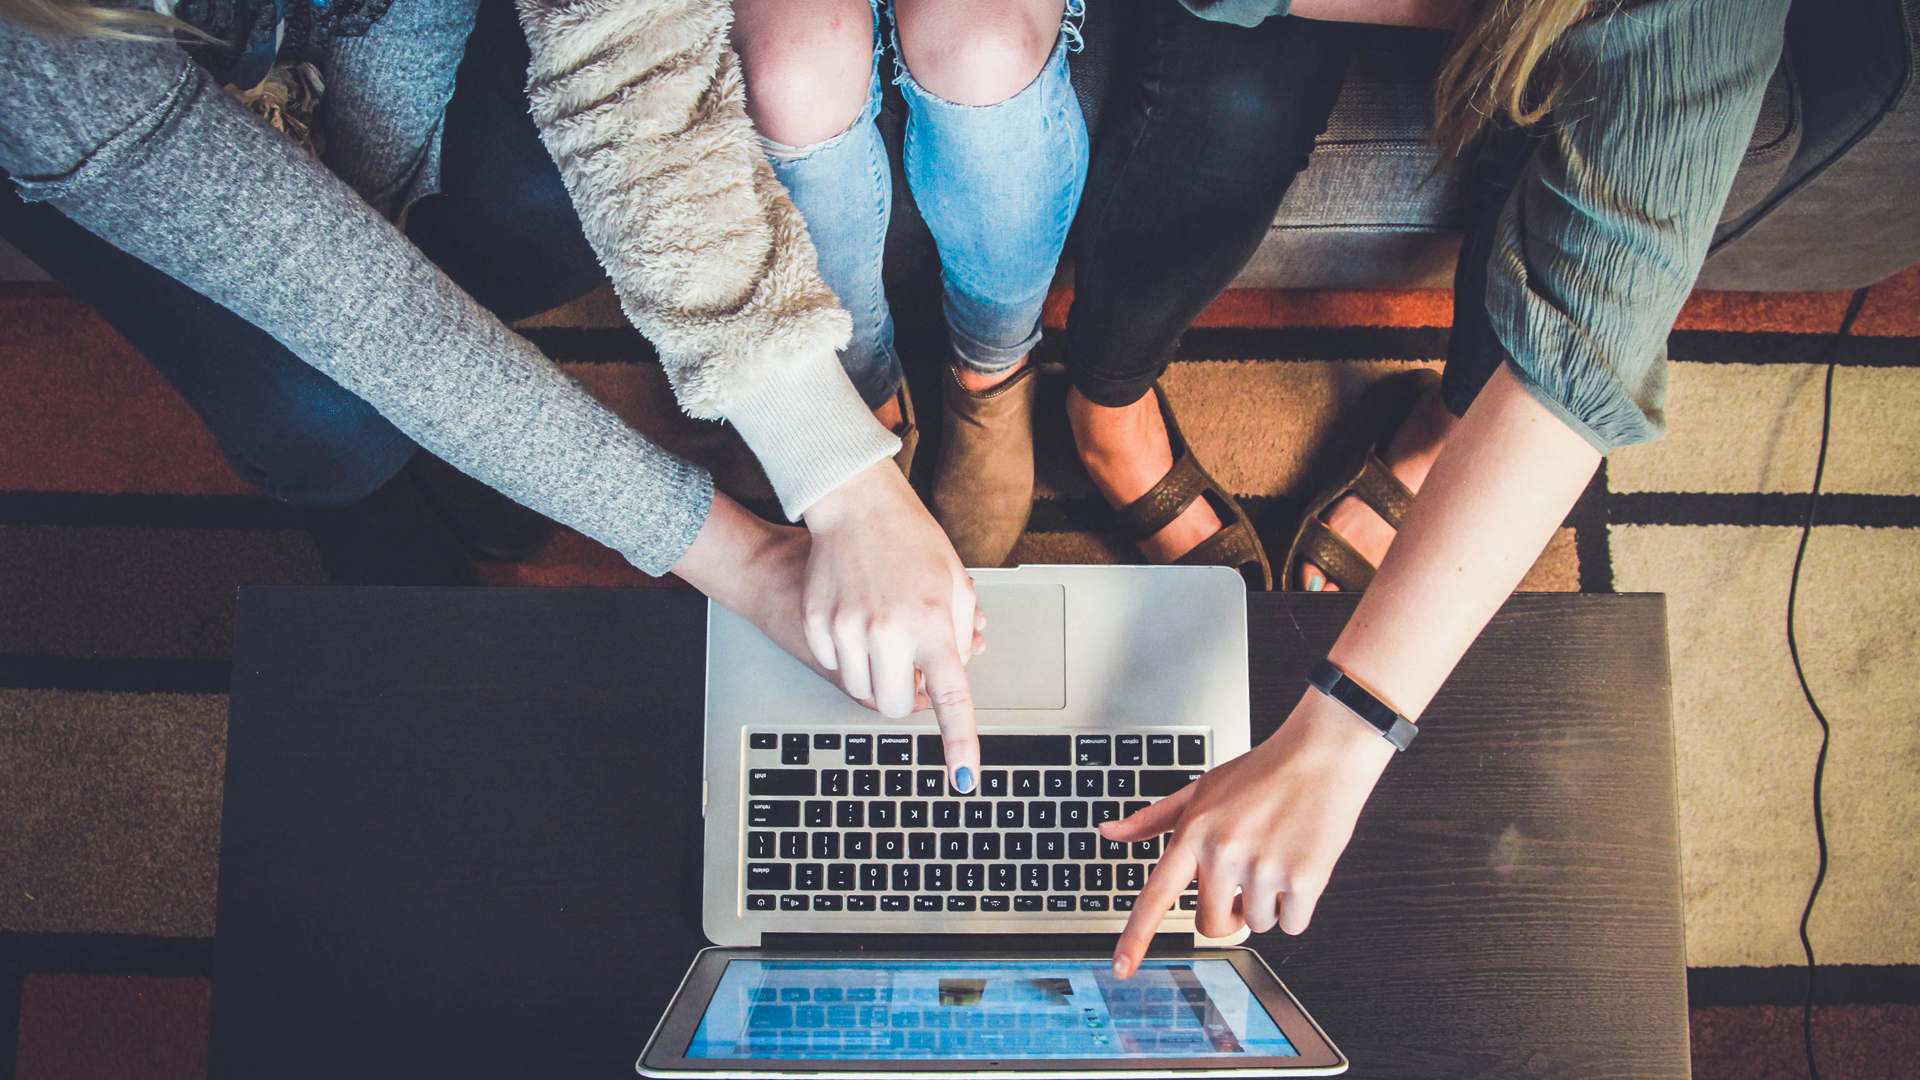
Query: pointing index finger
x,y
952,702
1169,880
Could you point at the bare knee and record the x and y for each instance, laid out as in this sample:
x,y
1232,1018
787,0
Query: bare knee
x,y
977,52
808,64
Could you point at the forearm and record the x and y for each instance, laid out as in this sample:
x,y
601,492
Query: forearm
x,y
187,182
643,107
1509,474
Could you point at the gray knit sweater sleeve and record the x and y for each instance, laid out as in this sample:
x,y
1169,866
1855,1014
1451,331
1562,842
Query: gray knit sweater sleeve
x,y
130,141
1601,241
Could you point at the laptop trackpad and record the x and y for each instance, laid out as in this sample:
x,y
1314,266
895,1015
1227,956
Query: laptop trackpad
x,y
1025,665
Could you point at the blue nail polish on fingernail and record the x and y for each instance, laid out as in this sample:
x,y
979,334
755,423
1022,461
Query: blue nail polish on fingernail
x,y
1315,584
963,780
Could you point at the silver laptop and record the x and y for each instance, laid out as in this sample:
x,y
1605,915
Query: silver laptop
x,y
1104,689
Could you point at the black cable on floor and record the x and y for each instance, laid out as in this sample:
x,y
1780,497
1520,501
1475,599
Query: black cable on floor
x,y
1793,647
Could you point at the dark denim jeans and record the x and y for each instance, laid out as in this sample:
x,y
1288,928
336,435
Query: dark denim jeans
x,y
1187,177
1187,174
503,228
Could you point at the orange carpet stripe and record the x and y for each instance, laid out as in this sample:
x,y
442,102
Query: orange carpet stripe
x,y
82,412
1893,309
1277,308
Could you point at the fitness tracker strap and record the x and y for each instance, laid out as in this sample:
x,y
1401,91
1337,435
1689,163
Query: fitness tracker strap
x,y
1334,683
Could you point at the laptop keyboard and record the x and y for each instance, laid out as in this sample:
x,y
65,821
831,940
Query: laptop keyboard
x,y
850,822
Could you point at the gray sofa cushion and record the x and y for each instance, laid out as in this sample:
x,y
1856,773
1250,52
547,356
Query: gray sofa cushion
x,y
1776,139
1372,209
1828,196
1845,210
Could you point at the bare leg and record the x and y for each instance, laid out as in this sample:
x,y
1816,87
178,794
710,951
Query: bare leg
x,y
807,64
977,52
1126,452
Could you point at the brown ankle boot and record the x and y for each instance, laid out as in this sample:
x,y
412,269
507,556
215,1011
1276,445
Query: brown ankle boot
x,y
983,482
909,433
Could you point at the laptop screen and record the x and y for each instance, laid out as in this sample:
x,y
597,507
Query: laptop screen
x,y
984,1009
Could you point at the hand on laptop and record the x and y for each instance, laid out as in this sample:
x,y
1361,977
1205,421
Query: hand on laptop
x,y
889,608
1261,832
760,570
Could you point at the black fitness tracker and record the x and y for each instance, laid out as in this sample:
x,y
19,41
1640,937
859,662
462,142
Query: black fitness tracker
x,y
1331,681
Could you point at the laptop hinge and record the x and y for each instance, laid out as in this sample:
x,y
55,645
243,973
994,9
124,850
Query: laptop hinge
x,y
965,944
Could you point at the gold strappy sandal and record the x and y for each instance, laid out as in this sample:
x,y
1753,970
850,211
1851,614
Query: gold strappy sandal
x,y
1235,545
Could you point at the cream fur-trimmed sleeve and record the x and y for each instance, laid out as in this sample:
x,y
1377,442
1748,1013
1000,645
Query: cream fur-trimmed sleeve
x,y
642,105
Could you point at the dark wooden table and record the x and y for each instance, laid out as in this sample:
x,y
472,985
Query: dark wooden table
x,y
462,838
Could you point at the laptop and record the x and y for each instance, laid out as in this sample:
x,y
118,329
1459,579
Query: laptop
x,y
1103,689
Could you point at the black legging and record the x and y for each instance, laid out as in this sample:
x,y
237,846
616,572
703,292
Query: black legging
x,y
1187,176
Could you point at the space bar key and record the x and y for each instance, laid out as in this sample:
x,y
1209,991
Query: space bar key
x,y
1026,750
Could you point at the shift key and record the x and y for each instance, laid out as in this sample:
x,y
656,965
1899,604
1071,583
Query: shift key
x,y
766,814
780,781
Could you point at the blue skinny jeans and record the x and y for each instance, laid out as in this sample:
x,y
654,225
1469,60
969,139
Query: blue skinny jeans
x,y
998,186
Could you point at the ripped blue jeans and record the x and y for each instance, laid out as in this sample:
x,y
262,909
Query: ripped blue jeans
x,y
998,186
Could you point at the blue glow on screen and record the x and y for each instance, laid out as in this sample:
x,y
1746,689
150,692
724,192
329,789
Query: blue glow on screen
x,y
857,1010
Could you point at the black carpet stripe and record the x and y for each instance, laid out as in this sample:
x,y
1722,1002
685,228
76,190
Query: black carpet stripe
x,y
1753,508
1596,509
624,345
134,675
244,512
107,954
1724,347
1834,984
1592,547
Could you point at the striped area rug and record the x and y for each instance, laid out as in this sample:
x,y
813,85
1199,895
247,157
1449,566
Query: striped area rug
x,y
123,534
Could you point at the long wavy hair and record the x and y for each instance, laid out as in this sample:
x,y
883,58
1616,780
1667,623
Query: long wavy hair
x,y
79,17
1501,66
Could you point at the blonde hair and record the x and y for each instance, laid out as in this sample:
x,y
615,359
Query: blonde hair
x,y
80,18
1501,66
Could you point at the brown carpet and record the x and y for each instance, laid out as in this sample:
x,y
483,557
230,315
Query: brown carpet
x,y
106,1027
123,534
